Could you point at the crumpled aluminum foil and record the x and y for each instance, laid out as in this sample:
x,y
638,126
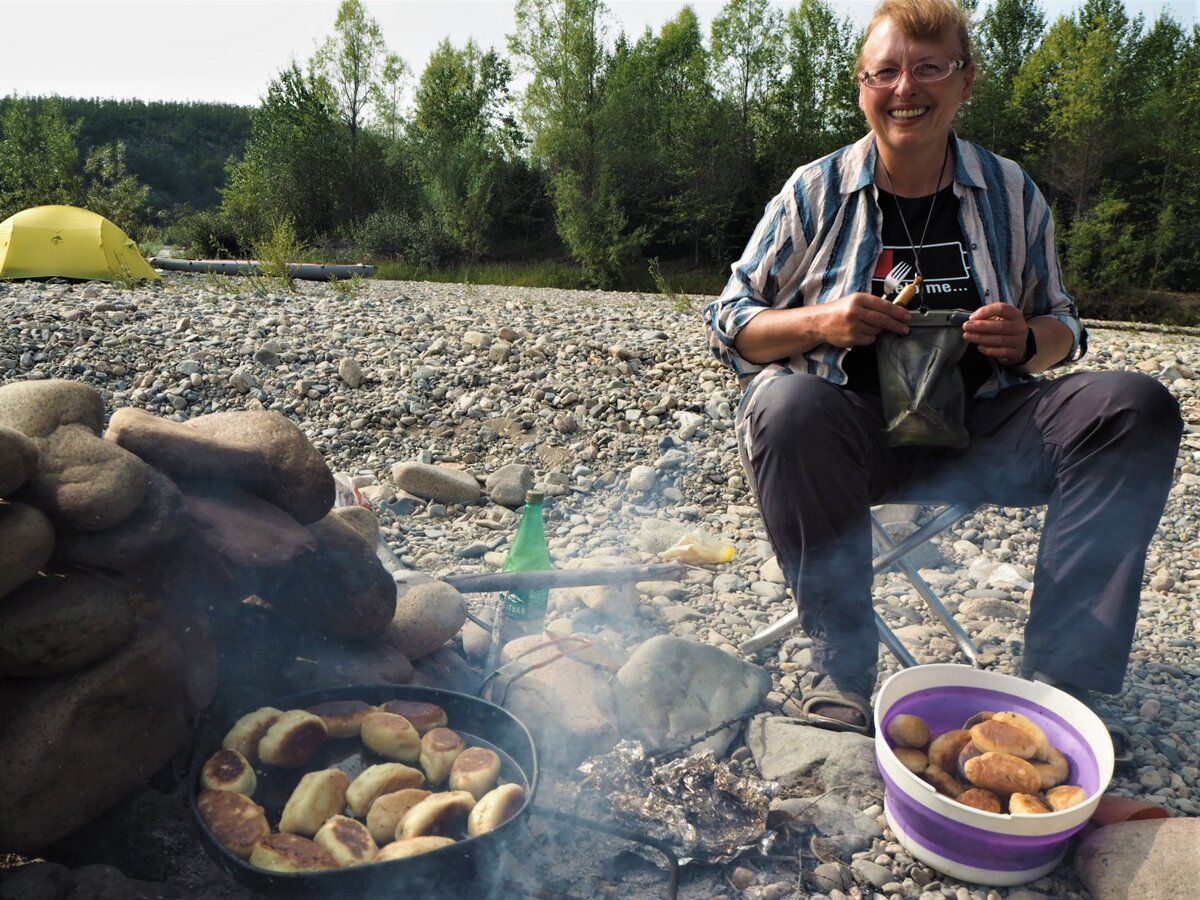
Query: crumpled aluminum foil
x,y
697,804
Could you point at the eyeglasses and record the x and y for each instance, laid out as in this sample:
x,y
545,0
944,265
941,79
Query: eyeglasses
x,y
924,72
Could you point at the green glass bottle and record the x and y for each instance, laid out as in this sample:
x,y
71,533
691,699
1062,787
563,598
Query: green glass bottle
x,y
528,553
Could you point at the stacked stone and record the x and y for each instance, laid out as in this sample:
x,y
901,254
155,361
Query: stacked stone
x,y
122,552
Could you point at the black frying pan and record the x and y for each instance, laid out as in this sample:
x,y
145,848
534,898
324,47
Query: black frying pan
x,y
436,873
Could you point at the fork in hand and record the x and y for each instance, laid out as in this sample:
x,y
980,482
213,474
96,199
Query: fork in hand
x,y
894,280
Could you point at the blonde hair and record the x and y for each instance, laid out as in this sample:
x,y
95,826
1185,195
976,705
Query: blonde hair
x,y
924,20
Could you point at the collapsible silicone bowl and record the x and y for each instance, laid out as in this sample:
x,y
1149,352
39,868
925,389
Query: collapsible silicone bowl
x,y
991,849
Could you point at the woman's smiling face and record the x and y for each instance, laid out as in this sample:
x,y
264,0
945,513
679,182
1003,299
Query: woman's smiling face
x,y
911,116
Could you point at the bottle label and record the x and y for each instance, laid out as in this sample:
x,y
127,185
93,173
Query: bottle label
x,y
525,605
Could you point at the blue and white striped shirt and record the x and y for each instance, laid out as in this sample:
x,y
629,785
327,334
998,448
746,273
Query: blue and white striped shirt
x,y
820,237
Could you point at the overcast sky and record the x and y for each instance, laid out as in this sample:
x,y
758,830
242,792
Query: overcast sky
x,y
229,50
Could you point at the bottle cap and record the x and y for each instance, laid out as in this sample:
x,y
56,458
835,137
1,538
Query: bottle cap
x,y
534,496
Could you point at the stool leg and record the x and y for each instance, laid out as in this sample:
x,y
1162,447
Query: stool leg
x,y
893,556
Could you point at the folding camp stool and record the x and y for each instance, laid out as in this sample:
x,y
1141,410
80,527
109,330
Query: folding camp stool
x,y
894,554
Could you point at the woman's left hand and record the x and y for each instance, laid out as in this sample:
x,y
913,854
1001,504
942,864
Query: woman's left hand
x,y
999,330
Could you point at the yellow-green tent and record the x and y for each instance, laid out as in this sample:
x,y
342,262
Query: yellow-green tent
x,y
68,242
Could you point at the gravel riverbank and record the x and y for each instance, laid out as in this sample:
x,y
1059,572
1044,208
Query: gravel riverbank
x,y
615,402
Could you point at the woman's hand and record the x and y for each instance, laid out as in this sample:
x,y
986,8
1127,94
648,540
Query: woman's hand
x,y
857,319
999,330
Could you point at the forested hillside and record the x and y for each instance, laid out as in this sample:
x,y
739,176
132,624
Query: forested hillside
x,y
619,150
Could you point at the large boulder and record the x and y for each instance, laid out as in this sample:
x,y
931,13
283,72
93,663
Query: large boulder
x,y
568,705
443,484
263,452
243,528
74,745
152,528
427,615
341,589
87,483
18,459
672,690
26,542
60,623
1157,859
39,408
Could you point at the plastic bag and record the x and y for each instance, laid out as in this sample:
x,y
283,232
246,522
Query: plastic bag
x,y
697,548
924,401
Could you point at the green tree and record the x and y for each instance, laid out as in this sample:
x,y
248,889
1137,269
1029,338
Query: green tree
x,y
389,91
39,162
746,50
813,108
1005,37
456,141
561,43
294,166
112,190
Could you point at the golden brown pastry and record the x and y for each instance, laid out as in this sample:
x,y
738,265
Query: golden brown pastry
x,y
291,853
228,770
908,731
236,821
407,847
1055,770
439,748
495,808
994,736
318,796
1027,804
911,758
383,778
475,770
388,809
424,716
248,731
342,718
943,781
348,841
392,736
443,814
1065,796
1032,730
1003,773
944,749
980,798
295,738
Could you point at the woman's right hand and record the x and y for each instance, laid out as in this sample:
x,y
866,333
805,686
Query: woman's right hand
x,y
856,319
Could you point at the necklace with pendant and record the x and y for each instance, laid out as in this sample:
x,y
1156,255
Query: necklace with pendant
x,y
915,247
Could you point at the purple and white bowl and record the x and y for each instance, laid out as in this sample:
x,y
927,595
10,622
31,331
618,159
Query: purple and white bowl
x,y
994,849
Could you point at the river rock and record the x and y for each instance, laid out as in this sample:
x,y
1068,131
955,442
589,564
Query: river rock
x,y
39,408
153,527
815,759
60,623
508,484
87,483
1156,859
427,615
261,451
568,705
442,484
361,519
242,527
446,670
26,543
323,662
72,746
18,459
341,589
672,690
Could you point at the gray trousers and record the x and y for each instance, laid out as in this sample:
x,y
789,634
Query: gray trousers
x,y
1098,449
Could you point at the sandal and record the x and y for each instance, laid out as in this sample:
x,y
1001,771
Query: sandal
x,y
826,690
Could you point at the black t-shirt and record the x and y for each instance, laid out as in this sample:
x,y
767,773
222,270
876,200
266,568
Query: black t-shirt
x,y
947,281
